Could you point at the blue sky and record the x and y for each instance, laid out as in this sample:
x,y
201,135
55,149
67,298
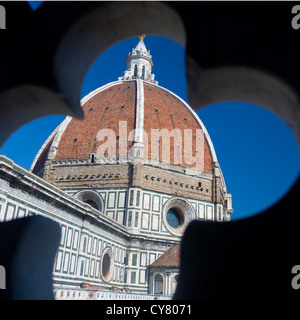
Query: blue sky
x,y
257,151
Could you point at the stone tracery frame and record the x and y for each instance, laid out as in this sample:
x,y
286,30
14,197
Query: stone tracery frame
x,y
107,257
186,211
95,32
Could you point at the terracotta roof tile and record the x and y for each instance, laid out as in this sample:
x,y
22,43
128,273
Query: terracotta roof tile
x,y
169,258
104,110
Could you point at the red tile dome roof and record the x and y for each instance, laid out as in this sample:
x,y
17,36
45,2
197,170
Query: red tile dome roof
x,y
145,121
107,106
102,111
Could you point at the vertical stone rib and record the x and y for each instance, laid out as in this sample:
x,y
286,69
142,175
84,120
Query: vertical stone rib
x,y
139,121
138,146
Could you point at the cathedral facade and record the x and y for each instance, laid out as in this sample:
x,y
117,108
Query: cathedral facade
x,y
123,184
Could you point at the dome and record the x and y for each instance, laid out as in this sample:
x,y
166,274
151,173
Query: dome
x,y
114,107
129,119
135,133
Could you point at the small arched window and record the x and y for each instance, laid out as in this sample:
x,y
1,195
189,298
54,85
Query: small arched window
x,y
158,284
143,72
174,283
135,71
92,157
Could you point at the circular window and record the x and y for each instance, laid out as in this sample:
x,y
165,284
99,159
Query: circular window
x,y
106,265
177,214
175,218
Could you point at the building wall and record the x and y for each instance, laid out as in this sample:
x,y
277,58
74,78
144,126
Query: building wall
x,y
141,211
131,224
86,232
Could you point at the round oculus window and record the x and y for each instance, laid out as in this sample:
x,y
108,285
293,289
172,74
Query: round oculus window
x,y
177,213
107,265
175,218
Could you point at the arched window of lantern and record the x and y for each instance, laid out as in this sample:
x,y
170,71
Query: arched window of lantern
x,y
135,71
